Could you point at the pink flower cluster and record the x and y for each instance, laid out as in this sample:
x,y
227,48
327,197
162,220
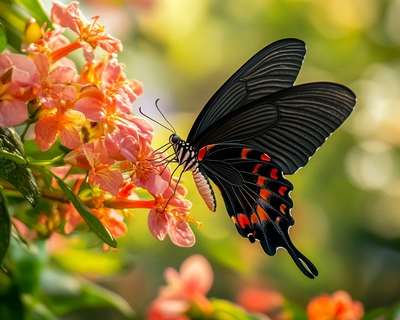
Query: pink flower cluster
x,y
186,293
90,113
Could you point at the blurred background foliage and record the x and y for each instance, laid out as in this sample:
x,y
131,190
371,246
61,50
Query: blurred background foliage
x,y
346,200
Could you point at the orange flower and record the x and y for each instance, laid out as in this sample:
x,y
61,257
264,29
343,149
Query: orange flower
x,y
62,123
339,306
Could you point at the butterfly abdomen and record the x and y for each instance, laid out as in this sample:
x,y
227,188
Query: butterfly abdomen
x,y
188,158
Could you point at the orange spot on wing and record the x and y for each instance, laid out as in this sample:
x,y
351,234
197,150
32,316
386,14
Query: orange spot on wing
x,y
274,173
265,157
244,153
243,221
256,167
264,193
282,190
262,214
254,219
261,181
282,208
234,220
210,146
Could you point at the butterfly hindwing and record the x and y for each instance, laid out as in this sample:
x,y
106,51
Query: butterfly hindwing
x,y
257,197
271,69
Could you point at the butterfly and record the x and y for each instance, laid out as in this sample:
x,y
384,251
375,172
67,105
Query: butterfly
x,y
256,128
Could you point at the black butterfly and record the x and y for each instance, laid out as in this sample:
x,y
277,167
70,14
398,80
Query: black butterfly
x,y
254,129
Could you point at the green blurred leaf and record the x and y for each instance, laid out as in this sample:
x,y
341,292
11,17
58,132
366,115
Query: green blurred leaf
x,y
225,310
13,167
36,9
5,228
28,261
295,311
3,38
11,306
67,294
93,222
384,313
36,309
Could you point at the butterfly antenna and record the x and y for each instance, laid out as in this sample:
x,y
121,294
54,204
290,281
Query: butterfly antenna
x,y
165,118
150,118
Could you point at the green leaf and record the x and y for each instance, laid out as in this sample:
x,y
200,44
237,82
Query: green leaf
x,y
92,221
28,262
66,293
13,167
36,9
5,228
225,310
11,142
3,38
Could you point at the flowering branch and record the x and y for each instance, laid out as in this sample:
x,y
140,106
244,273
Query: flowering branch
x,y
83,122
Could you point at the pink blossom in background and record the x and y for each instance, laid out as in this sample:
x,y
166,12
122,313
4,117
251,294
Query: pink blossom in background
x,y
184,288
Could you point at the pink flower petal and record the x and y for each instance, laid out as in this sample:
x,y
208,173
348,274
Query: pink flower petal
x,y
180,233
156,184
108,180
12,112
197,275
62,75
69,137
92,108
158,224
66,15
46,130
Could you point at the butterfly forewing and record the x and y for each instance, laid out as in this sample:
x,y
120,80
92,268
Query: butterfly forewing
x,y
289,125
308,115
271,69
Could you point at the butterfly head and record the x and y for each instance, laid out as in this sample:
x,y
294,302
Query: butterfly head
x,y
174,139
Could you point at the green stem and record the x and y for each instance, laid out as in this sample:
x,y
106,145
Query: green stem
x,y
45,163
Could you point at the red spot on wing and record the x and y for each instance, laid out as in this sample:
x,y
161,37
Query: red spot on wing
x,y
282,190
264,193
257,167
282,208
274,173
243,221
202,152
244,153
265,157
261,181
